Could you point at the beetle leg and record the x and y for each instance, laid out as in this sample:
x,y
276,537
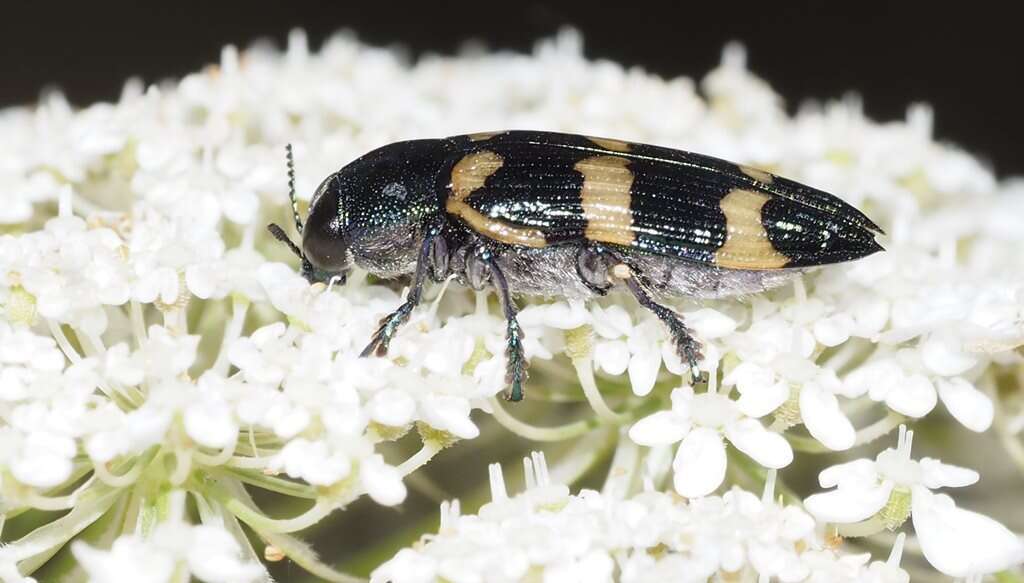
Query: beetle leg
x,y
438,258
425,266
478,268
688,347
515,375
592,267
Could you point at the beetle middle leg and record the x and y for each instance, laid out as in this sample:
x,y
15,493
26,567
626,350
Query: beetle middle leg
x,y
427,266
688,347
482,267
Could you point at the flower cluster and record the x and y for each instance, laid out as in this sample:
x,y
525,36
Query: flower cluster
x,y
160,365
650,536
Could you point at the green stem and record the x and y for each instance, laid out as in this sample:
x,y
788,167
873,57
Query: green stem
x,y
218,459
239,308
420,458
138,320
263,523
305,557
296,550
532,432
873,525
879,428
1011,443
625,464
584,454
585,373
272,483
33,549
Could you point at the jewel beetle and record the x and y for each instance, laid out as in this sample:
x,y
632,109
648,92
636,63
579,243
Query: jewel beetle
x,y
541,213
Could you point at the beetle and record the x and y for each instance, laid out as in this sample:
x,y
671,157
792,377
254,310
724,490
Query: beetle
x,y
542,213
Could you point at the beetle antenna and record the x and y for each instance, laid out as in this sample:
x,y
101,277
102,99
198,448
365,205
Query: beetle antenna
x,y
281,236
291,187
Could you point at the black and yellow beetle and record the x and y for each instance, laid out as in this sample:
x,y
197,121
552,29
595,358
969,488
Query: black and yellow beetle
x,y
528,212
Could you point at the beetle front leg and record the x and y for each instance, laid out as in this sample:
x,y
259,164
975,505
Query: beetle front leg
x,y
481,267
688,347
427,265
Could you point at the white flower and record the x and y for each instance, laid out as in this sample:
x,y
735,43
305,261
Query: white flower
x,y
956,541
149,344
699,422
910,386
959,542
208,553
640,349
552,535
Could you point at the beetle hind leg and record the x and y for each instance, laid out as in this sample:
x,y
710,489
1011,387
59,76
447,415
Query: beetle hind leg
x,y
484,264
687,346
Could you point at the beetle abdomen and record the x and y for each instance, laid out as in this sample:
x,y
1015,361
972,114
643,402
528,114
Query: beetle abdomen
x,y
550,272
538,189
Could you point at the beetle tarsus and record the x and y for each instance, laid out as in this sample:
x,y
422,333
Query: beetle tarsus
x,y
688,347
515,371
390,324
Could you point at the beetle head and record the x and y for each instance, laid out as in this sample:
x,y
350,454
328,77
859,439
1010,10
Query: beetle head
x,y
369,213
321,262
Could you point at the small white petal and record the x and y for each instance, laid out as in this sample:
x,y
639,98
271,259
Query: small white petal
x,y
833,330
824,419
408,566
392,407
129,559
643,371
673,363
710,324
847,505
935,474
659,428
612,356
611,322
699,466
767,448
449,413
915,396
749,376
382,482
966,404
958,542
214,555
201,280
944,355
861,471
211,424
45,461
758,403
878,377
870,315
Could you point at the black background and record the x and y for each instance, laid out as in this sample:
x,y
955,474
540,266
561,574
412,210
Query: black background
x,y
961,57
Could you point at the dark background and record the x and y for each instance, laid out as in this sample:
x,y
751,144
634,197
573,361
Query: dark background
x,y
964,59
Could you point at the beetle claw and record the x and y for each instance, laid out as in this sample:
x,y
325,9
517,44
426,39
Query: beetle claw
x,y
688,348
389,324
515,373
376,347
